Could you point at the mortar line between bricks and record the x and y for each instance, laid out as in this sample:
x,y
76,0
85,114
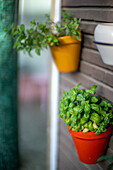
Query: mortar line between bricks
x,y
97,67
100,167
101,82
92,79
71,81
95,64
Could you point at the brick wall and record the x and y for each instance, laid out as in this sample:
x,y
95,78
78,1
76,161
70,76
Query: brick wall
x,y
92,71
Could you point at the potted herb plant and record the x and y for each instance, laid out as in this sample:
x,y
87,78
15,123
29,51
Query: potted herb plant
x,y
89,120
64,39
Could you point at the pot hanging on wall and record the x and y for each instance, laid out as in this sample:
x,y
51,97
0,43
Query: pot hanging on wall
x,y
67,55
103,36
90,146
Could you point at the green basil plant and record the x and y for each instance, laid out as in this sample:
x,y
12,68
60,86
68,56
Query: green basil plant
x,y
40,34
84,111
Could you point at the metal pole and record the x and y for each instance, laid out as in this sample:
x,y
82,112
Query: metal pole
x,y
54,96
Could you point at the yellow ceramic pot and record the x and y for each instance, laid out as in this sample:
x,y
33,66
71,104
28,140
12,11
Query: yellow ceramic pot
x,y
67,54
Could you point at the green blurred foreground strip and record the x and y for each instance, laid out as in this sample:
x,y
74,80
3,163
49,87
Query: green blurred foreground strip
x,y
8,91
84,111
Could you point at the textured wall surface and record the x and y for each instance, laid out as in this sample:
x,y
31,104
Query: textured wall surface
x,y
92,71
8,90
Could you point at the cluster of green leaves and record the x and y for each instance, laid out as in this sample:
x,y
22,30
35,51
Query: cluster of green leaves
x,y
68,26
39,35
107,157
82,109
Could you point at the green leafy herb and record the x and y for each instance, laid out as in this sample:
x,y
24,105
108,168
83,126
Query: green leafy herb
x,y
39,35
83,109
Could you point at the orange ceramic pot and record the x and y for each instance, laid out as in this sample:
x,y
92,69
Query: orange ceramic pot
x,y
67,54
89,146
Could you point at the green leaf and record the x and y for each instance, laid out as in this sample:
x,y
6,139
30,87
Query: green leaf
x,y
104,103
90,91
76,87
52,44
67,32
37,50
95,107
80,97
78,35
18,28
94,87
95,118
22,27
90,126
105,157
5,30
83,120
33,22
110,105
94,99
15,33
87,108
75,19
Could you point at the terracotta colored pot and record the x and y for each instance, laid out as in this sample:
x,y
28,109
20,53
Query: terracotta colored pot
x,y
89,146
67,55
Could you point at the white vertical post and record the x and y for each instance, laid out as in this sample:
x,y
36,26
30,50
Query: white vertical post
x,y
21,9
56,10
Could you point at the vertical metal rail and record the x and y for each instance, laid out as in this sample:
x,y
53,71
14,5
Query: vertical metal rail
x,y
54,96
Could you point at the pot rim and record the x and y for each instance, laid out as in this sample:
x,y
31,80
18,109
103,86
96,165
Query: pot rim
x,y
68,40
90,135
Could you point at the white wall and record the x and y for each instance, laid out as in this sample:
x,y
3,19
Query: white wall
x,y
32,7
